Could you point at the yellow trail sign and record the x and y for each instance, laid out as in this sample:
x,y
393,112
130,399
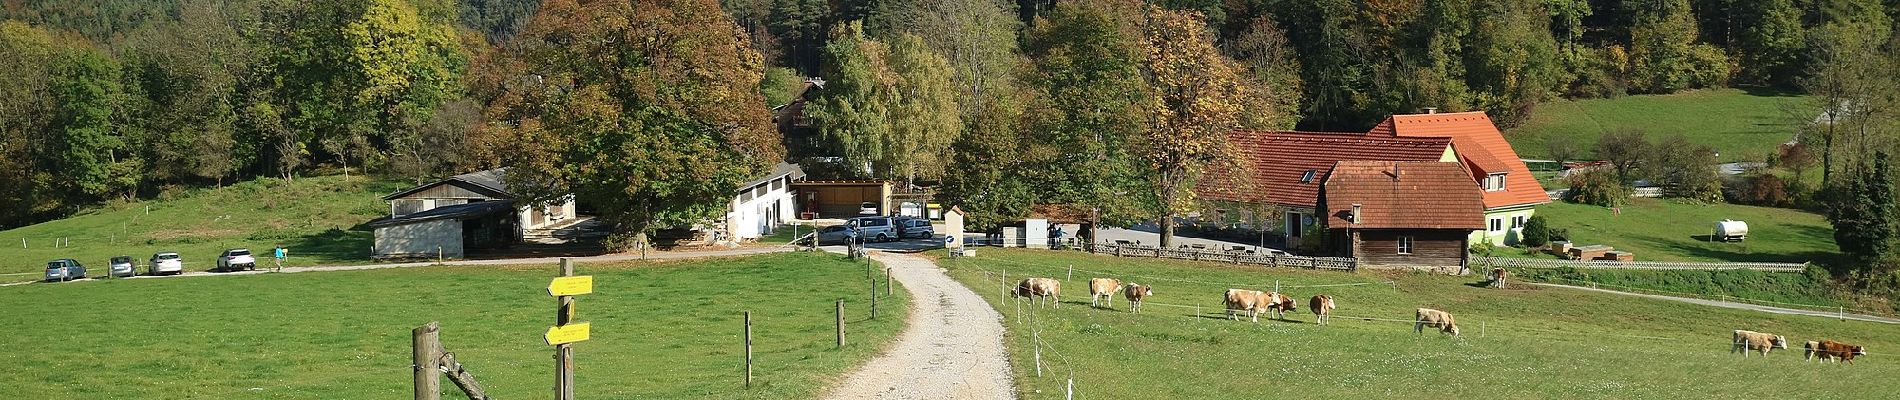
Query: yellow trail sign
x,y
569,333
571,285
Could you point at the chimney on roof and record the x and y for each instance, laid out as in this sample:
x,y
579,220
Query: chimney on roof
x,y
1431,110
1355,212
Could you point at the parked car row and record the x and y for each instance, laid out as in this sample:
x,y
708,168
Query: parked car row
x,y
161,263
877,229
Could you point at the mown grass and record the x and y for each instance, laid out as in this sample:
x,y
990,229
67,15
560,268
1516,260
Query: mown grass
x,y
1741,124
1810,288
660,330
1669,230
1518,343
314,217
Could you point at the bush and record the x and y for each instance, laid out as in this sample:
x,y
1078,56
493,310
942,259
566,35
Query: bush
x,y
1763,190
1536,232
1598,187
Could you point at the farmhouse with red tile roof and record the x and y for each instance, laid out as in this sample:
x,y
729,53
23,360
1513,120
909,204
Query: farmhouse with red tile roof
x,y
1286,170
1401,214
1510,192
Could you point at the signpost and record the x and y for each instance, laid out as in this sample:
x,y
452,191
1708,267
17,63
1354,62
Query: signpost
x,y
565,331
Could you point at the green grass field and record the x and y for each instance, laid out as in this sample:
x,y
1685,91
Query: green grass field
x,y
1668,230
312,216
1517,343
660,330
1741,124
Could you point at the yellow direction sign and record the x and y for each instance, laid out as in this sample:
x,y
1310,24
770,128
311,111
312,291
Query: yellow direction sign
x,y
571,285
569,333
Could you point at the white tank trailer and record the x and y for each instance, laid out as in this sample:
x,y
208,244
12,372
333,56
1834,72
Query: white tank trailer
x,y
1729,230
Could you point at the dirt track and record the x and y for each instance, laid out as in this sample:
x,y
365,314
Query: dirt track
x,y
951,347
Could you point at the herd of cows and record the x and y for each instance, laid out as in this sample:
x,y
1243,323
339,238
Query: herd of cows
x,y
1253,303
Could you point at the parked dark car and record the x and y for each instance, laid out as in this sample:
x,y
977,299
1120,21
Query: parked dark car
x,y
64,269
121,266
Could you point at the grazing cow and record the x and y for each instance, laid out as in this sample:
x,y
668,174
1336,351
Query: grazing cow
x,y
1136,292
1279,304
1436,319
1102,290
1322,306
1810,349
1498,275
1751,340
1040,288
1829,349
1244,301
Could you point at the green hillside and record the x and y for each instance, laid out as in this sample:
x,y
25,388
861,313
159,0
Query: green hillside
x,y
1740,124
313,217
1517,343
1668,230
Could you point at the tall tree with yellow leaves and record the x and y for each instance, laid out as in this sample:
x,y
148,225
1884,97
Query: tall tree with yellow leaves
x,y
1198,98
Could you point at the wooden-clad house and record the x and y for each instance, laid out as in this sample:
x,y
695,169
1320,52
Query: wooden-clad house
x,y
1511,194
1283,171
1401,214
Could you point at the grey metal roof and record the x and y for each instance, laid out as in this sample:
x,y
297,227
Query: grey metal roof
x,y
778,170
458,211
490,181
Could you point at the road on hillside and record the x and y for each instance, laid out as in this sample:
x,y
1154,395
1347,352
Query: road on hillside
x,y
1742,306
951,347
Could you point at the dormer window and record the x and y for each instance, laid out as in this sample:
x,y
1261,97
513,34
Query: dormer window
x,y
1308,176
1494,182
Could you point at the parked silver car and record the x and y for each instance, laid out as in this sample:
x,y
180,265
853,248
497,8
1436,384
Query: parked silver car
x,y
835,234
166,263
914,228
122,266
875,229
64,269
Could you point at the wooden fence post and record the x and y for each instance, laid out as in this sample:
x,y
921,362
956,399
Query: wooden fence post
x,y
873,299
462,378
888,290
748,349
564,353
840,315
427,360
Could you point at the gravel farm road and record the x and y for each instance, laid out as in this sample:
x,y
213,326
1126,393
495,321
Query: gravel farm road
x,y
951,347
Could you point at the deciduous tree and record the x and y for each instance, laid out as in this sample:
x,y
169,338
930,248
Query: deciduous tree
x,y
1196,103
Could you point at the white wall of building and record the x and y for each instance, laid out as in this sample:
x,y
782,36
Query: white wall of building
x,y
422,239
757,213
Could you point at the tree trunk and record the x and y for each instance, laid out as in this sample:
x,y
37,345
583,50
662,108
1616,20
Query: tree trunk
x,y
1167,230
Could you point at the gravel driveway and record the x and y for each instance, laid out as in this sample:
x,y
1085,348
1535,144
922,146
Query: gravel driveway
x,y
951,347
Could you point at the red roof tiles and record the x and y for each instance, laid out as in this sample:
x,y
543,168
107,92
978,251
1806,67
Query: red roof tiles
x,y
1482,147
1415,195
1274,163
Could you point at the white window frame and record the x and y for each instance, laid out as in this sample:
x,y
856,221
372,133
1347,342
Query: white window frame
x,y
1405,245
1518,221
1494,182
1497,224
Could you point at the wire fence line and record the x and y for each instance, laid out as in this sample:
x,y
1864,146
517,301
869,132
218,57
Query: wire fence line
x,y
1513,262
1721,298
1164,279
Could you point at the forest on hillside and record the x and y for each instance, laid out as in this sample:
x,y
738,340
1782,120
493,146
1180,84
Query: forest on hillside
x,y
656,108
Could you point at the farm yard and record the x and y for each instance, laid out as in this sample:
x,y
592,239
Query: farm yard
x,y
1741,124
1669,230
1519,342
661,330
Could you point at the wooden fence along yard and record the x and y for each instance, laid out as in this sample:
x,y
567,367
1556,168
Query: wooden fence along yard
x,y
1236,257
1506,262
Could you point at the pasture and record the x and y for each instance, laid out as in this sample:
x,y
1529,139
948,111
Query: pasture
x,y
313,216
1669,230
1517,343
1742,124
660,330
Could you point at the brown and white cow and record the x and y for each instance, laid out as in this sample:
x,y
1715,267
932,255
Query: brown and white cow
x,y
1436,319
1746,340
1243,301
1498,276
1279,304
1829,349
1137,292
1102,290
1040,288
1322,306
1811,349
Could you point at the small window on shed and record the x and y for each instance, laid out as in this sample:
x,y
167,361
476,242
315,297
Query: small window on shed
x,y
1308,176
1405,245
